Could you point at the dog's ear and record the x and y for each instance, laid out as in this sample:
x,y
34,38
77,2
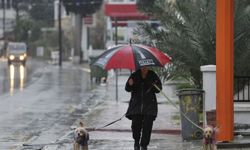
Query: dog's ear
x,y
81,124
217,127
216,130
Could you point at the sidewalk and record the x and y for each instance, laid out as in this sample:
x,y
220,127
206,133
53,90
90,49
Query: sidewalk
x,y
166,130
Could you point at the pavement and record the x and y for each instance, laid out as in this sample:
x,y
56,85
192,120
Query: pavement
x,y
118,136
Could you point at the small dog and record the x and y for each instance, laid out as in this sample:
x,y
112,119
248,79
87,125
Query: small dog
x,y
81,138
209,140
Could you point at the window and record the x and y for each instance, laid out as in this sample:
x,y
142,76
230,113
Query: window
x,y
1,3
6,3
117,0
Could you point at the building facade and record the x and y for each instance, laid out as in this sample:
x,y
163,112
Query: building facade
x,y
122,18
7,17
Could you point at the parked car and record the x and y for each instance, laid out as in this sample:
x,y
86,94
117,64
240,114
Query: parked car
x,y
17,53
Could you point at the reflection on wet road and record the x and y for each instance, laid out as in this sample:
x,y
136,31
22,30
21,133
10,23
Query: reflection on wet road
x,y
39,103
14,78
17,76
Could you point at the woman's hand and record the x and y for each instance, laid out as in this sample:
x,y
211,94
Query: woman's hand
x,y
130,81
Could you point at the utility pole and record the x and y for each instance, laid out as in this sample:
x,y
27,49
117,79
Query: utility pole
x,y
60,33
2,53
116,70
3,19
116,32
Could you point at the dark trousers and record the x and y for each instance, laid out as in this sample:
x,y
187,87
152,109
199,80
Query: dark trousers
x,y
142,128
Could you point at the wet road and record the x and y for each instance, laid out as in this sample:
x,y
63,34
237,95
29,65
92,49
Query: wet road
x,y
39,102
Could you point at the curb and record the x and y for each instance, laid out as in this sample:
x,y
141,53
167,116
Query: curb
x,y
156,131
233,145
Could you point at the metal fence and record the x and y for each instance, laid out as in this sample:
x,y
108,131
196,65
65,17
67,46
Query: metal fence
x,y
242,89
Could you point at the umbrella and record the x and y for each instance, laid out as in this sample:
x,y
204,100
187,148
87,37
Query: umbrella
x,y
132,57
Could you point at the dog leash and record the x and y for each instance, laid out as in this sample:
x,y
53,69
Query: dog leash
x,y
108,124
171,102
95,129
59,143
45,144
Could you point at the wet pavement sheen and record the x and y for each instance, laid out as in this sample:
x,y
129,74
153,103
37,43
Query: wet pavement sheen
x,y
118,136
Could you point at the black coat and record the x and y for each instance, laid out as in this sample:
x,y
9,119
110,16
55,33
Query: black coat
x,y
143,99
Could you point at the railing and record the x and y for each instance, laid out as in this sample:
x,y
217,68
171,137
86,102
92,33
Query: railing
x,y
242,89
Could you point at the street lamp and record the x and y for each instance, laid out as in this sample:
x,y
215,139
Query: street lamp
x,y
3,6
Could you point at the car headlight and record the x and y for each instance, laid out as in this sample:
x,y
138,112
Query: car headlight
x,y
12,57
21,57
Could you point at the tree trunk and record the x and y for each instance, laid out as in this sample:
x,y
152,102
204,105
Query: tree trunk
x,y
17,23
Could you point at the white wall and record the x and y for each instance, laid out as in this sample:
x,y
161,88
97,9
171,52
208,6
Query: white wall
x,y
241,110
10,18
63,11
209,86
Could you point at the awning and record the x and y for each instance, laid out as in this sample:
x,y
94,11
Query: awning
x,y
124,12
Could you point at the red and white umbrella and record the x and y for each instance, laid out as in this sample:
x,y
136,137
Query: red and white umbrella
x,y
132,57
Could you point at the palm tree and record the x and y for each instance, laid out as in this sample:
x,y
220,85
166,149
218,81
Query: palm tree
x,y
242,37
187,33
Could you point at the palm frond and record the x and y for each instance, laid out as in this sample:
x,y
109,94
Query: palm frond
x,y
189,34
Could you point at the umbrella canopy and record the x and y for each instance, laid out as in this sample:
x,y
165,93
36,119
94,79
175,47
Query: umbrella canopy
x,y
131,57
